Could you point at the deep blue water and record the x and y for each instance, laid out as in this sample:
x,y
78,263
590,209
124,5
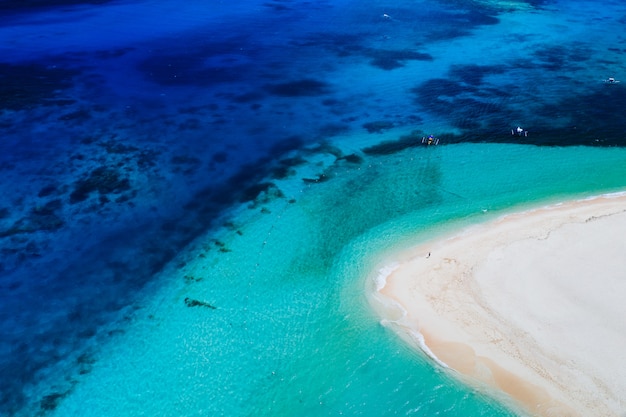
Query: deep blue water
x,y
129,128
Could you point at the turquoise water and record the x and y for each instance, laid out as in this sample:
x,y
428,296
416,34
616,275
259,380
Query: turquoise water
x,y
197,197
292,332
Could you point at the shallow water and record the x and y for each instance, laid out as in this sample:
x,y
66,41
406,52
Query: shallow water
x,y
195,197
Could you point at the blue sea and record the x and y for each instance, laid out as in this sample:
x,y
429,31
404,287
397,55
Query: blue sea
x,y
196,195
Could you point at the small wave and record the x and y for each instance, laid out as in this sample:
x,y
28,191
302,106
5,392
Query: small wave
x,y
400,323
616,194
383,274
419,339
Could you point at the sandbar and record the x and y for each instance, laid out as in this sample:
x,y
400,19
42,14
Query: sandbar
x,y
529,306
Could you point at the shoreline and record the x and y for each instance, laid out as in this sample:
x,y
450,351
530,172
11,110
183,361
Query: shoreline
x,y
517,305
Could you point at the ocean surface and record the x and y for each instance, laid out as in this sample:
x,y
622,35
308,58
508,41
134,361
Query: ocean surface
x,y
195,195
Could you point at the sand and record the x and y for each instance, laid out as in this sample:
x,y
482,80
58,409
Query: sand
x,y
531,304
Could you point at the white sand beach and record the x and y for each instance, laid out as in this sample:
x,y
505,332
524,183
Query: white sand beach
x,y
531,304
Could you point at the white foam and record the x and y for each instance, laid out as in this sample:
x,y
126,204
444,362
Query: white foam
x,y
383,273
401,322
419,339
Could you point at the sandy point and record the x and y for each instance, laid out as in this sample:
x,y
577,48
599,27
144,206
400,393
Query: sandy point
x,y
530,305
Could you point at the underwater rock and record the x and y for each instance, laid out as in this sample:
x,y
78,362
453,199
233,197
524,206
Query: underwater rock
x,y
299,88
147,158
191,278
51,401
86,358
40,218
320,178
24,5
190,302
394,146
378,126
47,190
49,208
185,164
219,157
353,158
116,147
285,167
24,86
392,59
103,180
77,116
184,160
282,172
333,129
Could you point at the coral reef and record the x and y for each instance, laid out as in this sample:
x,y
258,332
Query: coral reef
x,y
103,180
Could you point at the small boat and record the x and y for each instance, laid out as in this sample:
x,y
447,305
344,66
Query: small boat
x,y
611,80
518,131
430,140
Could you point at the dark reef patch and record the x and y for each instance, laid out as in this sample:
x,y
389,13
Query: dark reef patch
x,y
569,57
592,120
51,401
112,146
25,86
436,89
285,167
467,98
474,74
113,53
341,44
103,180
248,184
17,4
203,65
459,19
394,146
278,6
299,88
219,157
333,129
185,164
392,59
77,116
47,190
378,126
349,45
190,302
352,158
248,97
286,145
9,7
480,111
318,179
40,218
